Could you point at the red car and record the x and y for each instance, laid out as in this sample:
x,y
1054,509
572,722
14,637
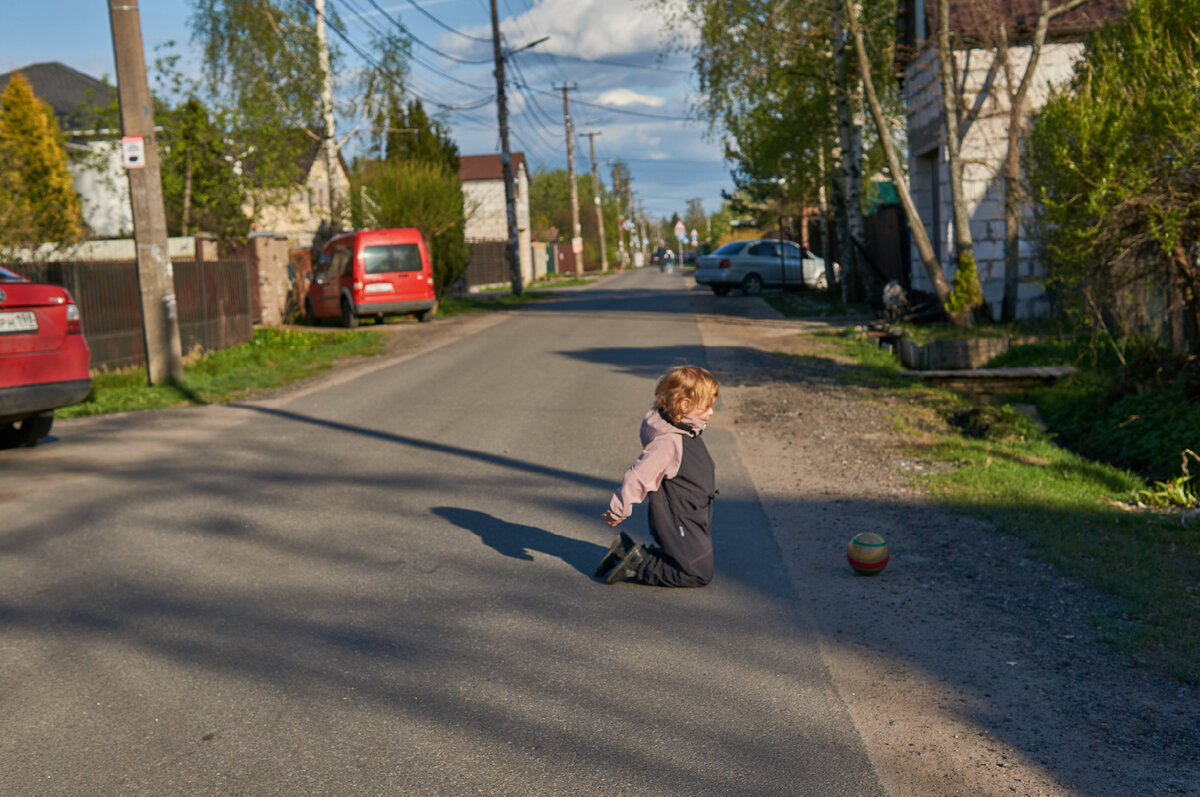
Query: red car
x,y
372,273
43,358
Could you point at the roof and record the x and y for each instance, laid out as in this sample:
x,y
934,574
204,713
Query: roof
x,y
487,167
65,90
968,16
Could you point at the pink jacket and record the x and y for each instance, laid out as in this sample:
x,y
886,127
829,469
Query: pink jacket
x,y
662,453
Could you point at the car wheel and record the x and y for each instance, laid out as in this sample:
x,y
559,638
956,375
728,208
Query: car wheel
x,y
310,314
349,319
425,315
721,290
28,432
752,285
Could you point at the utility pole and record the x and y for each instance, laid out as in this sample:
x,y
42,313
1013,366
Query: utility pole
x,y
510,202
156,278
576,230
596,199
328,144
622,213
642,240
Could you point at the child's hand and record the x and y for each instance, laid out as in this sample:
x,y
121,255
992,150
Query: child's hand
x,y
611,519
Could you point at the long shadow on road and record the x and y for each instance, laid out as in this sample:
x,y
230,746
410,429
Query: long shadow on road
x,y
517,541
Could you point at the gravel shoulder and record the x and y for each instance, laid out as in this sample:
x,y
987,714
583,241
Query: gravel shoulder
x,y
969,667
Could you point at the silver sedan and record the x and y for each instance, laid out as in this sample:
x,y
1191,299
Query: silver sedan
x,y
751,265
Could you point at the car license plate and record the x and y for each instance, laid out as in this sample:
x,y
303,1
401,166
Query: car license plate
x,y
23,321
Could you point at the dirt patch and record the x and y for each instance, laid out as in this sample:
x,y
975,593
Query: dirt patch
x,y
969,667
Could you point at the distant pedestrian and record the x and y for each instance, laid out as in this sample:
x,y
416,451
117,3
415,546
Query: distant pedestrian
x,y
677,473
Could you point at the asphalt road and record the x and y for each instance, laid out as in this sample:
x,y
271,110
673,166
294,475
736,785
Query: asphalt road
x,y
383,586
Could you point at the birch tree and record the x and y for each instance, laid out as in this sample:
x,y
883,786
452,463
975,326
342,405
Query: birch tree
x,y
780,87
967,294
899,175
1017,91
268,64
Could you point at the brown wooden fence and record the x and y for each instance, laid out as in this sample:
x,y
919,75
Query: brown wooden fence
x,y
487,265
213,300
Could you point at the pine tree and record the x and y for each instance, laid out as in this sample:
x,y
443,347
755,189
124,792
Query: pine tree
x,y
38,202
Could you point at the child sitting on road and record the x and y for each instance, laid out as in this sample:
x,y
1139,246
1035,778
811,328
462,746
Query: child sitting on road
x,y
677,473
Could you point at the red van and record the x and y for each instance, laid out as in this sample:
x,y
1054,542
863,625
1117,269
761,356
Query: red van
x,y
372,273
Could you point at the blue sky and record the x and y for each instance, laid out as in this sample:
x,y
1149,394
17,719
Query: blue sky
x,y
631,89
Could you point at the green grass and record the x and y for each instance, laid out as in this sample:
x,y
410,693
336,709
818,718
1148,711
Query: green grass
x,y
1077,513
812,304
875,366
563,281
272,358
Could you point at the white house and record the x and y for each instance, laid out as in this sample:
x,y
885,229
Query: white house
x,y
297,214
483,190
94,156
984,90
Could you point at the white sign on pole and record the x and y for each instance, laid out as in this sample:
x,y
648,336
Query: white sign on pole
x,y
695,236
577,245
133,152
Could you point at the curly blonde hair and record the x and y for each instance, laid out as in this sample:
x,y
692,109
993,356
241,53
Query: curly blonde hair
x,y
685,389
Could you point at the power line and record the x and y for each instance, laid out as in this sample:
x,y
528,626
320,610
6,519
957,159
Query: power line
x,y
605,62
464,107
418,40
437,21
669,160
629,113
523,86
417,60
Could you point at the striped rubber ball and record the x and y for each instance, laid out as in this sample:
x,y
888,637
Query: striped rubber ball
x,y
868,553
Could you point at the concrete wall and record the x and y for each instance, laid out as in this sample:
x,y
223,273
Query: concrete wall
x,y
119,249
268,258
983,148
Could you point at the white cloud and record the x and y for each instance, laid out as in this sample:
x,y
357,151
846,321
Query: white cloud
x,y
590,28
625,97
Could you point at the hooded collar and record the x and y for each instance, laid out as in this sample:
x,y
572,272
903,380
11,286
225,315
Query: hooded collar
x,y
689,424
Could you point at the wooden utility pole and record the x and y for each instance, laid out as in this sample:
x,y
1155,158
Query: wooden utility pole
x,y
596,199
511,253
156,278
576,230
621,216
641,225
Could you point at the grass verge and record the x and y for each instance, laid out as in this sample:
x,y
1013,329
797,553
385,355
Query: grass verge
x,y
272,358
1081,515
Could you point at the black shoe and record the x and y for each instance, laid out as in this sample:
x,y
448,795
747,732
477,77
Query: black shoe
x,y
627,566
621,546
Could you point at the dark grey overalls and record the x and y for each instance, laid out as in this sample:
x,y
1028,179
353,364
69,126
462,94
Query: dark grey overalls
x,y
680,520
